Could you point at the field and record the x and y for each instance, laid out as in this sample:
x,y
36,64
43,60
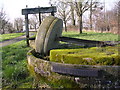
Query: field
x,y
14,60
92,36
10,36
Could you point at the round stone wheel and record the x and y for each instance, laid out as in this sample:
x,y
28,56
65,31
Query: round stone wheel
x,y
41,34
49,30
55,31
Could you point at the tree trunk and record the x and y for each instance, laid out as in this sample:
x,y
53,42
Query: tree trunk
x,y
80,24
72,14
3,31
64,20
119,18
80,13
73,20
65,26
90,21
91,16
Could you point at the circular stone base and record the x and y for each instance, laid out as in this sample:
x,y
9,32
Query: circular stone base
x,y
58,75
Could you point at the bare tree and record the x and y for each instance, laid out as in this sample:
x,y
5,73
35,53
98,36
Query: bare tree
x,y
81,8
115,19
34,21
3,21
72,13
18,24
91,14
107,21
64,12
94,6
10,27
118,10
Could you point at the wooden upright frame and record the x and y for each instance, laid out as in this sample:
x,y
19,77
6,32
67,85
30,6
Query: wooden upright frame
x,y
39,10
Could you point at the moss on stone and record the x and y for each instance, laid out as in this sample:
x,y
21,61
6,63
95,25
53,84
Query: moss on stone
x,y
88,56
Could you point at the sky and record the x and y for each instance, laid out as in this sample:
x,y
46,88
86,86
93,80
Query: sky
x,y
13,7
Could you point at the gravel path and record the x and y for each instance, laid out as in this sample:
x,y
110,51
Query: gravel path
x,y
11,41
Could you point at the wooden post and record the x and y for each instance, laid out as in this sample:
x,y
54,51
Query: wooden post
x,y
27,29
52,13
39,18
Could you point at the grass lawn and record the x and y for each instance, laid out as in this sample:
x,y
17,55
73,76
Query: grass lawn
x,y
4,37
92,36
14,66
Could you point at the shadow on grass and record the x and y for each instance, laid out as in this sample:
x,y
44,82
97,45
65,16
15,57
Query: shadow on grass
x,y
86,34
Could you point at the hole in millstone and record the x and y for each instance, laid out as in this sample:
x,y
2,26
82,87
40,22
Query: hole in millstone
x,y
38,55
41,56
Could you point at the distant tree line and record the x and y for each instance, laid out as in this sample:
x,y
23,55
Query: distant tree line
x,y
5,25
99,19
18,24
73,13
106,21
74,10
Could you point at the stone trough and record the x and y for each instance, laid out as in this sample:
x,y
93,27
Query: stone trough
x,y
56,69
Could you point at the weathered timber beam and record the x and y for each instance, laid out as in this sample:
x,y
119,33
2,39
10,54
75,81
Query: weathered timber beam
x,y
38,10
73,71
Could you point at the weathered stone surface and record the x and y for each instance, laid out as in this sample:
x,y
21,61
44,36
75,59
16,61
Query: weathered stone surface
x,y
41,70
39,66
49,30
55,31
41,34
32,43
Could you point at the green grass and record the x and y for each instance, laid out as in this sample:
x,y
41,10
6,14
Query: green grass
x,y
4,37
92,36
14,65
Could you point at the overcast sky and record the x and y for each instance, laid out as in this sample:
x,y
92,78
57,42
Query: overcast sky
x,y
13,7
